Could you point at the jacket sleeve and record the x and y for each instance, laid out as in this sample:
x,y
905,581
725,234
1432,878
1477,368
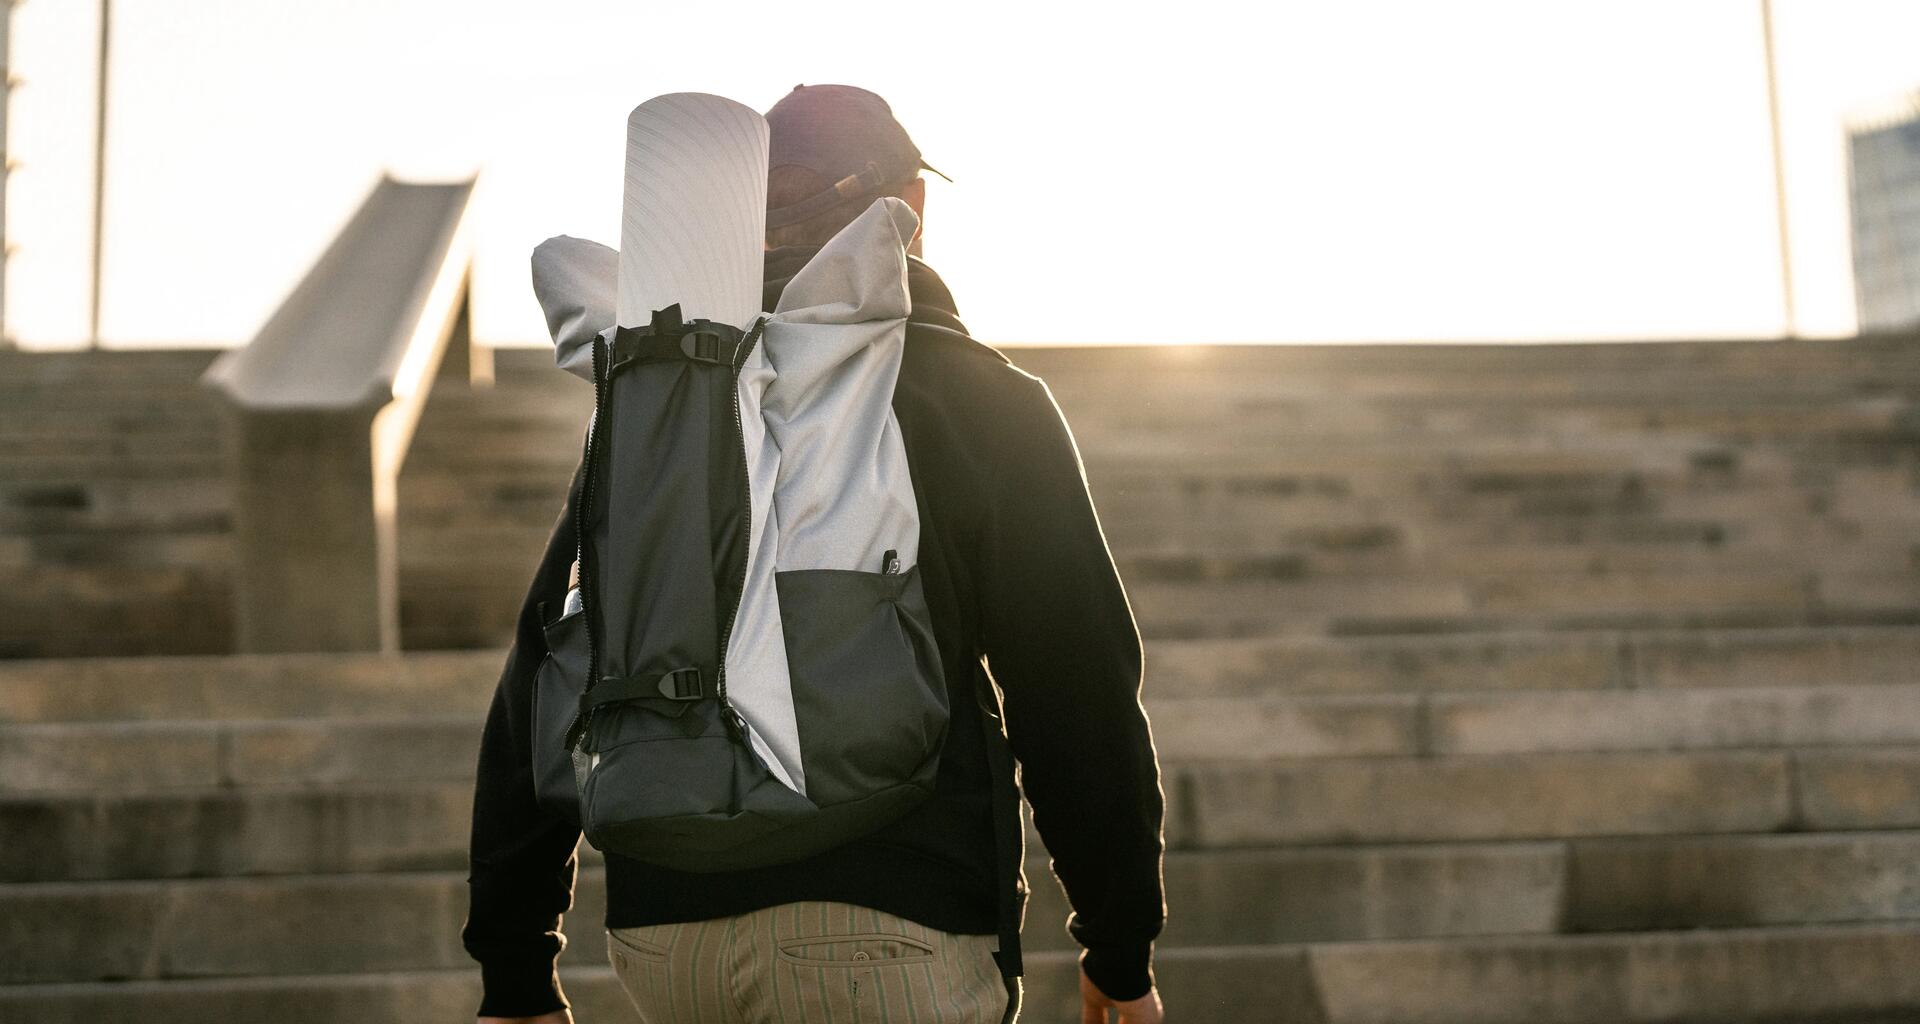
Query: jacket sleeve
x,y
1062,645
522,858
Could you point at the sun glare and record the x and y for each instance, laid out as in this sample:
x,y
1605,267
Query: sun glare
x,y
1205,172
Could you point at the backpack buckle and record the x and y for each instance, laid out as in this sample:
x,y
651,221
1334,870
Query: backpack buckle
x,y
704,342
682,684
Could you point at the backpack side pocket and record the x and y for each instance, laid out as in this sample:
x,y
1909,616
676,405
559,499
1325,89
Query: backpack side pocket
x,y
557,686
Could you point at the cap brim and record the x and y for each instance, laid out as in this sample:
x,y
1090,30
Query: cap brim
x,y
925,166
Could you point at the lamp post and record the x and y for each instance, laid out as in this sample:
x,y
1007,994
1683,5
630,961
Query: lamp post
x,y
1791,327
6,163
99,172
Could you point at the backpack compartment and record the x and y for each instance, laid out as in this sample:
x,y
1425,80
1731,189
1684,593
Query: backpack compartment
x,y
557,686
769,685
868,691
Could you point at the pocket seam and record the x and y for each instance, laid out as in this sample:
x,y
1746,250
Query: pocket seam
x,y
636,947
926,954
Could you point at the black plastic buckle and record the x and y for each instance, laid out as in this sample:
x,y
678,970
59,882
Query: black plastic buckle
x,y
707,343
682,684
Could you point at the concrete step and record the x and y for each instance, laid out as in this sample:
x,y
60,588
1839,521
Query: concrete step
x,y
1624,368
149,756
503,540
393,825
1224,804
1599,439
469,605
1514,723
132,441
1335,604
83,469
411,920
1242,447
1572,660
226,832
76,759
1856,973
82,512
243,687
1851,972
108,550
1473,506
67,611
1436,890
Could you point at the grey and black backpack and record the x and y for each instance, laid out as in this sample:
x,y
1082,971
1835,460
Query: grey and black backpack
x,y
746,673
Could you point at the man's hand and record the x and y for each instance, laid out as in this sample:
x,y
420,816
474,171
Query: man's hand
x,y
1094,1005
556,1017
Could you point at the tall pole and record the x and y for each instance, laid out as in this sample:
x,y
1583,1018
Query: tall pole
x,y
100,170
1791,327
6,166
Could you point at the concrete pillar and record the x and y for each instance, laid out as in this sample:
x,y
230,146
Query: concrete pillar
x,y
321,407
316,561
466,362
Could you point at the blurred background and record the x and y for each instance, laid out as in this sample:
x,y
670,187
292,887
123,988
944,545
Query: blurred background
x,y
1505,415
1496,169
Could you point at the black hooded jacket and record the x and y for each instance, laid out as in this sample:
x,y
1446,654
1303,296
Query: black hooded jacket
x,y
1022,588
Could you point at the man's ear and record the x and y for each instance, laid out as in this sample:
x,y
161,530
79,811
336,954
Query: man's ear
x,y
914,194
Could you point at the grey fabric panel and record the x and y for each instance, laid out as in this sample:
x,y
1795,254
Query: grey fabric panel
x,y
868,689
756,666
574,279
829,479
844,494
859,275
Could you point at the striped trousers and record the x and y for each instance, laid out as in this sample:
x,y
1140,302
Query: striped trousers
x,y
808,963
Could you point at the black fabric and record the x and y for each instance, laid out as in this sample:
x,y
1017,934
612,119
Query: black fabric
x,y
1024,600
852,638
557,688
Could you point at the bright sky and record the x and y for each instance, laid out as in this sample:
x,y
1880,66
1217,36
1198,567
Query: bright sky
x,y
1201,171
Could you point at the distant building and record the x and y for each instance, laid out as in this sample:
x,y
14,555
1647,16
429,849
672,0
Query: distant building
x,y
1884,179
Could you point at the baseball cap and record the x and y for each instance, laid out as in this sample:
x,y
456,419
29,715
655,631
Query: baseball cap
x,y
845,134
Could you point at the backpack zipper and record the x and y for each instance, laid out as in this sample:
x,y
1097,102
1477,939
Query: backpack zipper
x,y
737,726
589,595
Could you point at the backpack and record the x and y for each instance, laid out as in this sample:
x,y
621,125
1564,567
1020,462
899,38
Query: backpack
x,y
746,673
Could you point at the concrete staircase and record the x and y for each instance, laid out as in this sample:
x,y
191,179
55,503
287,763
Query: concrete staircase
x,y
1360,489
1687,825
114,509
1250,491
1569,685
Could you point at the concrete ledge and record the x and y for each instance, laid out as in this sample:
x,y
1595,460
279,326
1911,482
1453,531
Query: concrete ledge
x,y
1670,719
281,686
321,407
1725,976
286,831
1221,805
1859,974
1740,881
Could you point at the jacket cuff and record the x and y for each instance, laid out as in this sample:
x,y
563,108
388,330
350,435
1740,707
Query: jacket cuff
x,y
1121,971
520,988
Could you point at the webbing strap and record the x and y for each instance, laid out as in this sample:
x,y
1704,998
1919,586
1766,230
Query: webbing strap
x,y
853,186
1009,839
669,339
679,684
